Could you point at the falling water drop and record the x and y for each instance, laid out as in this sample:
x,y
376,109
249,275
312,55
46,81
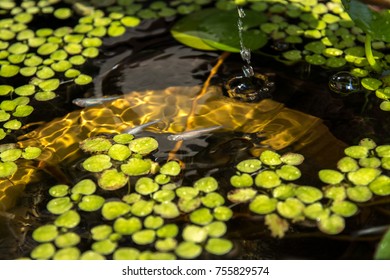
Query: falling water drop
x,y
245,52
344,83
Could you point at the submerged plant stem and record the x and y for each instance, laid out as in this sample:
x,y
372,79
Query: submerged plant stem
x,y
369,55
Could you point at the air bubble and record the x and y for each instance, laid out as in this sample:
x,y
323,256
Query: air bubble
x,y
344,83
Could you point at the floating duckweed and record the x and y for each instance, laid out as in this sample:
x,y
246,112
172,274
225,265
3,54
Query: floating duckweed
x,y
95,145
344,208
241,181
363,176
97,163
216,229
119,152
70,253
201,216
125,253
61,66
59,190
359,193
62,13
25,90
329,176
144,237
315,211
59,205
194,234
43,251
267,179
47,48
381,185
45,233
146,186
386,163
131,198
162,179
188,205
143,145
283,192
249,165
370,162
114,209
5,90
187,192
69,219
7,169
222,213
357,151
77,59
168,231
8,105
167,244
347,164
72,73
127,226
241,195
308,194
292,158
123,138
335,193
8,71
112,179
153,222
85,187
171,168
91,255
212,200
136,167
218,246
262,204
164,195
291,208
23,111
206,184
129,21
270,158
10,155
371,83
383,151
167,210
83,79
13,125
4,116
90,203
289,173
104,247
68,239
385,106
333,224
101,232
116,30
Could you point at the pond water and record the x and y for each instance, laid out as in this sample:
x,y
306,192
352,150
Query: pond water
x,y
157,78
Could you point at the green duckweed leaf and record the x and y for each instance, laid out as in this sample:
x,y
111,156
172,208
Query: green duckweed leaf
x,y
91,255
104,247
383,151
206,184
68,219
381,185
125,253
10,155
356,151
119,152
363,176
249,165
59,205
146,186
59,190
144,237
241,181
288,172
291,208
13,125
292,158
267,179
171,168
168,231
136,167
71,253
112,179
344,208
101,232
167,210
114,209
97,163
308,194
43,251
67,239
201,216
45,233
347,164
212,200
270,158
262,204
194,233
90,203
142,208
383,248
333,224
128,226
329,176
188,250
143,145
218,246
241,195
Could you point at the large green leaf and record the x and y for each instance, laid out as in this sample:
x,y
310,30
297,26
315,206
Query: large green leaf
x,y
213,29
377,24
383,249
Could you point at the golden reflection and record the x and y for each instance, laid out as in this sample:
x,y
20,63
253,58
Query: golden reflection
x,y
280,127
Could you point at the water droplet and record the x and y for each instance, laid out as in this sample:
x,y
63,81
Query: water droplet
x,y
248,71
241,12
344,83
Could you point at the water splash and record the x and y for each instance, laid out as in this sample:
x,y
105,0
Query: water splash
x,y
245,52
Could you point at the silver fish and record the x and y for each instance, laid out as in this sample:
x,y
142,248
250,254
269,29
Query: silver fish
x,y
187,135
138,128
92,101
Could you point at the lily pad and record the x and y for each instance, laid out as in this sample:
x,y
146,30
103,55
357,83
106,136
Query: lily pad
x,y
211,29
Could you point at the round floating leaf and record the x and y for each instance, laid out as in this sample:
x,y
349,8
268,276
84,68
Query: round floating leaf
x,y
335,193
171,168
95,145
127,226
23,111
381,185
292,158
114,209
218,246
270,158
167,244
68,239
164,195
194,234
372,162
104,247
101,232
371,83
68,219
5,90
289,172
144,237
216,229
91,255
382,250
83,79
70,253
25,90
329,176
59,190
363,176
7,169
356,151
119,152
47,48
359,193
241,181
13,125
85,187
162,179
385,106
206,184
143,145
59,205
167,210
267,179
8,71
344,208
168,231
90,203
222,213
111,179
315,211
142,208
49,85
31,153
188,250
201,216
131,198
347,164
45,233
125,253
241,195
153,222
44,95
308,194
262,204
136,167
10,155
124,138
333,224
4,116
187,192
291,208
212,200
249,165
97,163
43,251
386,163
146,186
63,13
383,151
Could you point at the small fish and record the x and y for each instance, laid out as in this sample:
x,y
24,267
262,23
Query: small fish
x,y
186,135
92,101
138,128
